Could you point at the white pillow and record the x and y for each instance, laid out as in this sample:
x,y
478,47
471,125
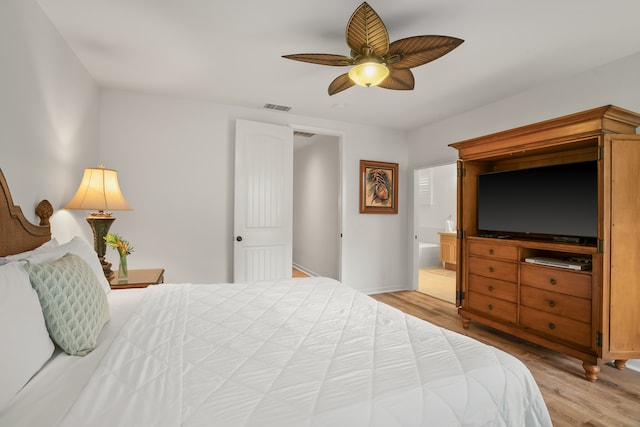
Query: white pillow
x,y
75,308
77,246
23,255
25,343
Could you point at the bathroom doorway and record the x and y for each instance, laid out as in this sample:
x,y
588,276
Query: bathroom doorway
x,y
435,213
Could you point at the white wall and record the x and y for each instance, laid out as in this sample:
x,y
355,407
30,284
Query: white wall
x,y
616,83
316,204
175,156
175,162
48,116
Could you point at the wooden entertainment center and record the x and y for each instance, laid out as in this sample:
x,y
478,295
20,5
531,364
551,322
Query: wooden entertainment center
x,y
592,315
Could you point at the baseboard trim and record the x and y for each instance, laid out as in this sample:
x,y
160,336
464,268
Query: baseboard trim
x,y
384,290
634,364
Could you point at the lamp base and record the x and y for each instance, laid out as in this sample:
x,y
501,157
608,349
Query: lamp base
x,y
106,269
100,225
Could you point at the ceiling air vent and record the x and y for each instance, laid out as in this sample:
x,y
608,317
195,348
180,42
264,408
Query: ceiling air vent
x,y
277,107
305,134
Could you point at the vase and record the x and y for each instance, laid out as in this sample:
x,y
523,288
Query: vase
x,y
123,270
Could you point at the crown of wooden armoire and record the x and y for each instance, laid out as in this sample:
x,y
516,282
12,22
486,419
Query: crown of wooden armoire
x,y
592,315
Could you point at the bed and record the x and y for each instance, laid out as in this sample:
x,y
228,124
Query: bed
x,y
297,352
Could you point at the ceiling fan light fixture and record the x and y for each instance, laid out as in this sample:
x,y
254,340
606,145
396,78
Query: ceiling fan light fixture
x,y
375,61
368,73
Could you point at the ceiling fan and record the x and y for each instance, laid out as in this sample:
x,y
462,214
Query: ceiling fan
x,y
375,61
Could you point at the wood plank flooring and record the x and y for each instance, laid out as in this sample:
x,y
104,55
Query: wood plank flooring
x,y
613,400
298,273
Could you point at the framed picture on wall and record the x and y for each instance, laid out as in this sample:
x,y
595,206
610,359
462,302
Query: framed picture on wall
x,y
378,187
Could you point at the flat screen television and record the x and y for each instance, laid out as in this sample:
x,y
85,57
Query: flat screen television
x,y
558,202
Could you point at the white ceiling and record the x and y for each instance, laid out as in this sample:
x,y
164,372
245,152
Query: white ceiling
x,y
229,51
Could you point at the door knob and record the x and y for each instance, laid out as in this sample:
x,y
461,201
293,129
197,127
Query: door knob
x,y
239,238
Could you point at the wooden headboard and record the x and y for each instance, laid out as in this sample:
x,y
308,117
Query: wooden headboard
x,y
17,234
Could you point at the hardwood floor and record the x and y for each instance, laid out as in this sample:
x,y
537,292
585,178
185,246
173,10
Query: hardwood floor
x,y
298,273
613,400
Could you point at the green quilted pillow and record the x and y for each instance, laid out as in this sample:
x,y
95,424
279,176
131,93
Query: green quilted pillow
x,y
74,305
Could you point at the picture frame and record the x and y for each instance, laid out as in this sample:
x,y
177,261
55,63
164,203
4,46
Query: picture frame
x,y
378,187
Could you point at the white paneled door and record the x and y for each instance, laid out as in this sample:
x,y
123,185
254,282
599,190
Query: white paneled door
x,y
263,205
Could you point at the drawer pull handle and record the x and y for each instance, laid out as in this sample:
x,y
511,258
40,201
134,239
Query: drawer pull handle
x,y
491,269
490,306
552,281
490,251
490,288
552,325
552,303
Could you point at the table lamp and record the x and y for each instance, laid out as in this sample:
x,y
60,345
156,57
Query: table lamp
x,y
99,191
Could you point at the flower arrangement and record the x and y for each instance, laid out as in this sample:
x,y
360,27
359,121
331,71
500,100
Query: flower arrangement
x,y
122,246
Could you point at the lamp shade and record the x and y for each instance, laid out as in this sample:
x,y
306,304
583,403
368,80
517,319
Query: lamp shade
x,y
368,73
99,190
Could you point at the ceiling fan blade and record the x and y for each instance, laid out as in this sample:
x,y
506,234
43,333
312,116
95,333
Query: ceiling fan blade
x,y
365,28
322,59
340,83
399,80
415,51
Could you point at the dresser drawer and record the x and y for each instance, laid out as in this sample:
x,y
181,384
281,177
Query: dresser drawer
x,y
568,330
552,302
493,287
494,251
501,270
552,279
493,307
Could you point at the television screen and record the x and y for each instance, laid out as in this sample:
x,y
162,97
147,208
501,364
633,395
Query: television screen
x,y
556,201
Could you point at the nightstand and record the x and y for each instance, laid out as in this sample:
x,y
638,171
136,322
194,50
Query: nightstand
x,y
139,279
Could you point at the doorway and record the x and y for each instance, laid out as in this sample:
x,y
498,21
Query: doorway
x,y
316,204
435,219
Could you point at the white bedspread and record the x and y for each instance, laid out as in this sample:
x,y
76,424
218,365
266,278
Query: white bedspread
x,y
303,352
47,397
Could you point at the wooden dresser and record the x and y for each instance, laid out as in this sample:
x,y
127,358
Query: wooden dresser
x,y
594,314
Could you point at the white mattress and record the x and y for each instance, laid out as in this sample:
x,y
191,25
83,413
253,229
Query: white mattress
x,y
302,352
